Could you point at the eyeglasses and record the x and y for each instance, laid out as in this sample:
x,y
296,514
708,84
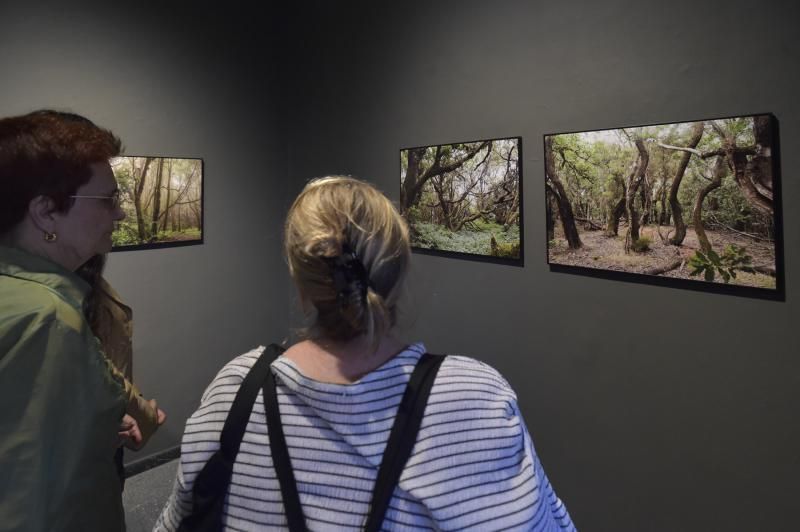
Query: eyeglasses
x,y
113,199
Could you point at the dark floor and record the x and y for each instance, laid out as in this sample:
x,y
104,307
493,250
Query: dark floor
x,y
145,495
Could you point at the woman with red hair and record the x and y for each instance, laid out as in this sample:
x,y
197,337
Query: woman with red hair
x,y
62,399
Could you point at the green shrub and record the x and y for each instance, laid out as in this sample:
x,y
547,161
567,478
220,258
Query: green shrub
x,y
125,235
504,249
642,244
709,264
413,214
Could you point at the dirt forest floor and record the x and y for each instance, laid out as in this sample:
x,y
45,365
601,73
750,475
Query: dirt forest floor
x,y
608,253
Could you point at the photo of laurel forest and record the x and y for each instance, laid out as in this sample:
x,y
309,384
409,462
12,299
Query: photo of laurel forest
x,y
464,198
162,201
690,200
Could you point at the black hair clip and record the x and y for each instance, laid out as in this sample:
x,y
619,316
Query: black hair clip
x,y
347,269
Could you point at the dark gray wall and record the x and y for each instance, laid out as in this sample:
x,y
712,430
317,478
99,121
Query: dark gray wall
x,y
652,408
185,81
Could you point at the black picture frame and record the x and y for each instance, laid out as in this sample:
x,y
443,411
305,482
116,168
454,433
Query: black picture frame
x,y
759,157
180,223
430,238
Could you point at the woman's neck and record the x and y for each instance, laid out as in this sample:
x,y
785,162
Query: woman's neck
x,y
342,362
29,239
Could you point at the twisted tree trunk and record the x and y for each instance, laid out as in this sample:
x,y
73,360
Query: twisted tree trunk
x,y
634,180
675,206
560,194
612,222
754,177
697,212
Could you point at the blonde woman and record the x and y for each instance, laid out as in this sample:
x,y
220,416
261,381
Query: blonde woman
x,y
472,465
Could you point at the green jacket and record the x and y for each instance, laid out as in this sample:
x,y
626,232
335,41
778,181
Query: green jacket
x,y
60,405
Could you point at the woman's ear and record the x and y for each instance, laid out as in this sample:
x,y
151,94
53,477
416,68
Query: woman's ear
x,y
41,210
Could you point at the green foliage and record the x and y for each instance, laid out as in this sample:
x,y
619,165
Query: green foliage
x,y
413,214
126,234
475,239
484,225
642,244
591,170
741,128
709,264
503,249
191,233
725,205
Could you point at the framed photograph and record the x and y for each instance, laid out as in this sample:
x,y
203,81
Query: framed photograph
x,y
163,202
465,199
689,204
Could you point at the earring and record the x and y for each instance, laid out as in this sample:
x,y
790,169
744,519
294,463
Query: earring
x,y
50,237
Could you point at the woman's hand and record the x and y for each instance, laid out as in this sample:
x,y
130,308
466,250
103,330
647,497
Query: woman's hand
x,y
161,416
129,434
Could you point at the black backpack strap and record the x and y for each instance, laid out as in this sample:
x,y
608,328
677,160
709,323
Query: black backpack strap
x,y
211,484
398,448
403,437
280,458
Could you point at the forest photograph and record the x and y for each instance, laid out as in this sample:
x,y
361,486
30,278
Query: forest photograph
x,y
162,201
464,198
691,200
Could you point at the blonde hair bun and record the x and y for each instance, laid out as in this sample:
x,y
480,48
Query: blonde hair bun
x,y
348,252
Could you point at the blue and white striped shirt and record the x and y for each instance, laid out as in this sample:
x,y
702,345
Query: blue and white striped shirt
x,y
473,465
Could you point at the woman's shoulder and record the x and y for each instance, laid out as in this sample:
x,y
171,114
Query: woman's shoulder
x,y
465,380
455,365
472,417
233,373
240,366
33,303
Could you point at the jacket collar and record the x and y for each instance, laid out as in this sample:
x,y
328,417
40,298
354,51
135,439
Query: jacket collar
x,y
15,262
